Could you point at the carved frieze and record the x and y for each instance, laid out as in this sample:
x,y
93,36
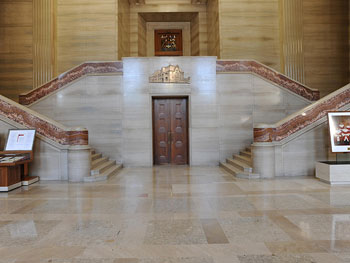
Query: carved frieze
x,y
169,74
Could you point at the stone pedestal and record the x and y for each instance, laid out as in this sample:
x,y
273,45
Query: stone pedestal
x,y
333,172
79,164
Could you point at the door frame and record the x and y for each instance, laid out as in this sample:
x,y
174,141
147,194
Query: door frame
x,y
187,123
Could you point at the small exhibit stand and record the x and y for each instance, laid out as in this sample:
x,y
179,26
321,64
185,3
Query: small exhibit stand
x,y
337,172
14,160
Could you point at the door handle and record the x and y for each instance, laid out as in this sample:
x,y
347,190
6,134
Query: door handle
x,y
169,137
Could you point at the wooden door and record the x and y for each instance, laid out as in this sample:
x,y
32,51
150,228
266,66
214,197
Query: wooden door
x,y
170,131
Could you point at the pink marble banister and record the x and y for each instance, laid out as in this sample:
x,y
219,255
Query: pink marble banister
x,y
251,66
222,66
303,118
44,126
68,77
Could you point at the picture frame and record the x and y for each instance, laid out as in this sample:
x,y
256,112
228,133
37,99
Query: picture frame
x,y
168,42
339,131
20,140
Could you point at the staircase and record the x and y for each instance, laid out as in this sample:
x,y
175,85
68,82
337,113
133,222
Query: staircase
x,y
241,165
101,168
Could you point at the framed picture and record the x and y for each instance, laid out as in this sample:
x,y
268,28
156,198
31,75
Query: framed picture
x,y
20,140
168,42
339,131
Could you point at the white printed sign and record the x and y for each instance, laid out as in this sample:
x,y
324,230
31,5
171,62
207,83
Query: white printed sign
x,y
20,140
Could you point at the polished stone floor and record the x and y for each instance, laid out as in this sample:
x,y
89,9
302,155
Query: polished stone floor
x,y
176,214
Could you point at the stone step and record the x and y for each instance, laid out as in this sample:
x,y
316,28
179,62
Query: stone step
x,y
240,165
244,159
238,172
102,167
245,153
95,156
98,161
105,175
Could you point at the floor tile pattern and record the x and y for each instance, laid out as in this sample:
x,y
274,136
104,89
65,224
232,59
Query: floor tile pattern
x,y
176,214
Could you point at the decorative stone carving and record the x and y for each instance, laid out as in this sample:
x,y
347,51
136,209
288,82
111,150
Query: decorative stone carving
x,y
169,74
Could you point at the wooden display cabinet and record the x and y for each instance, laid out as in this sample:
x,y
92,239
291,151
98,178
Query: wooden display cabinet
x,y
15,174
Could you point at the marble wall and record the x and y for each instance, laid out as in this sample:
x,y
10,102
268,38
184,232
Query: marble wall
x,y
137,107
295,155
93,102
245,100
117,109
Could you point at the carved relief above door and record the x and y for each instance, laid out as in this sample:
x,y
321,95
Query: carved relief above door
x,y
170,131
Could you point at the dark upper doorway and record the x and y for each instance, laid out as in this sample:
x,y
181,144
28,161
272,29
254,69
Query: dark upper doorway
x,y
170,131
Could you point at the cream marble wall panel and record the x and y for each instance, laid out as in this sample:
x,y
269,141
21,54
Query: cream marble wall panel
x,y
204,149
299,156
249,29
49,163
16,56
273,103
94,102
326,36
245,100
86,31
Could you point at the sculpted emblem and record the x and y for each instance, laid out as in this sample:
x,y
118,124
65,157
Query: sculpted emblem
x,y
169,74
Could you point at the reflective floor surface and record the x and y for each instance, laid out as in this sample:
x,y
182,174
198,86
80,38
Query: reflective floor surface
x,y
176,214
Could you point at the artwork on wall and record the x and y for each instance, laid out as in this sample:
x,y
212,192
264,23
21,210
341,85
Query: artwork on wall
x,y
168,42
169,74
339,130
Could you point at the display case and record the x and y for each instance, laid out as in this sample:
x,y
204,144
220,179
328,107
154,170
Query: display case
x,y
14,160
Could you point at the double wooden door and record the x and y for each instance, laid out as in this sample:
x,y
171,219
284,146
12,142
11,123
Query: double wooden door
x,y
170,131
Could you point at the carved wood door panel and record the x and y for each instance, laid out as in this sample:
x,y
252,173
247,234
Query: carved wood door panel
x,y
170,131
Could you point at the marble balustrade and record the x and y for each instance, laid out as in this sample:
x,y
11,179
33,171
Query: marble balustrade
x,y
292,145
54,143
222,66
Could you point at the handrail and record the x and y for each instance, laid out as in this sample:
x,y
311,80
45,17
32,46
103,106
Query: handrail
x,y
303,118
44,126
68,77
252,66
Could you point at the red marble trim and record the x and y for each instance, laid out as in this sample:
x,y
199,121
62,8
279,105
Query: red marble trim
x,y
269,74
68,77
301,121
44,128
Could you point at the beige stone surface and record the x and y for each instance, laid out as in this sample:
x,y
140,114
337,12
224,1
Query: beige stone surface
x,y
136,217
